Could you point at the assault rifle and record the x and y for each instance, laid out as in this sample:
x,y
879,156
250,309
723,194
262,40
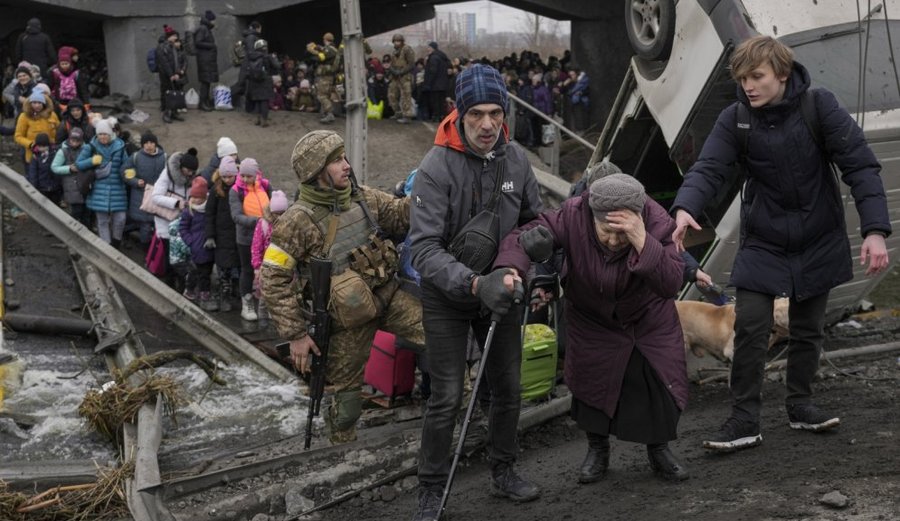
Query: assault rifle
x,y
319,330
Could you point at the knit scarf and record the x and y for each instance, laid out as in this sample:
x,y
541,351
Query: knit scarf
x,y
325,197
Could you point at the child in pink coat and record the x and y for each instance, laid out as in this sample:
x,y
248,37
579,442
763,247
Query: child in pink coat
x,y
262,235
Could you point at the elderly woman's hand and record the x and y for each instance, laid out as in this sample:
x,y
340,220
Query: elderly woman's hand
x,y
631,224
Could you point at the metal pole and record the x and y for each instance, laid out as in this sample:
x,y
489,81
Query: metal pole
x,y
355,88
511,117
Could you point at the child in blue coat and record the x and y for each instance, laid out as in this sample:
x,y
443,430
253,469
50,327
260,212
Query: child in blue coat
x,y
39,173
193,232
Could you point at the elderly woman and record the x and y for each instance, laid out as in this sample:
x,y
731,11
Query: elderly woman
x,y
625,361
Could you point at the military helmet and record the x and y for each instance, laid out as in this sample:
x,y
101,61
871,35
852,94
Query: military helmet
x,y
398,38
311,153
328,37
259,44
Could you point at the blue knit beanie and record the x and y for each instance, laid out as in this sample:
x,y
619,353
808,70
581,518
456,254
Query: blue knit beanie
x,y
37,96
480,84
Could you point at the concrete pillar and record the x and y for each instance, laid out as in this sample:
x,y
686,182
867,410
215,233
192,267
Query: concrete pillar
x,y
601,48
129,39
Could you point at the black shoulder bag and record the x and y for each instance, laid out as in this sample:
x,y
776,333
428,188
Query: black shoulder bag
x,y
477,242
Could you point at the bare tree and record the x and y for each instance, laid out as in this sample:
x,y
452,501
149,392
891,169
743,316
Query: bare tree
x,y
537,30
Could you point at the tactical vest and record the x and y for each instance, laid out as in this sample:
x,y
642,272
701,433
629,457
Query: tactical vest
x,y
356,246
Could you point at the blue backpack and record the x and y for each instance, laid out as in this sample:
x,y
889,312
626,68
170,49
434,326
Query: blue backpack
x,y
151,60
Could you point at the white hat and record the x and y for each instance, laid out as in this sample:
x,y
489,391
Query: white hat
x,y
104,127
225,147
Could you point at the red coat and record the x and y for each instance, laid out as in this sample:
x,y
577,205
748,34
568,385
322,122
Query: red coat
x,y
613,304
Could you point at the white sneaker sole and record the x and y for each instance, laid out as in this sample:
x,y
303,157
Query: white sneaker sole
x,y
816,427
733,445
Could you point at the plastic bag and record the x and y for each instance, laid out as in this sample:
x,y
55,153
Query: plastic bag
x,y
222,97
374,110
192,98
548,134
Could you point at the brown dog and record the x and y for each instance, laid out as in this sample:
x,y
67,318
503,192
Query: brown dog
x,y
707,328
710,329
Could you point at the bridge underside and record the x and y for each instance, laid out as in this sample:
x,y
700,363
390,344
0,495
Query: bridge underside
x,y
124,31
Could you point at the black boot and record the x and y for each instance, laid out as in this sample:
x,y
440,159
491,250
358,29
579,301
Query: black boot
x,y
596,461
505,482
116,243
225,293
664,464
167,116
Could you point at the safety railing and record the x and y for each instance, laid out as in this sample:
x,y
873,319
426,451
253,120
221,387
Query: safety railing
x,y
558,128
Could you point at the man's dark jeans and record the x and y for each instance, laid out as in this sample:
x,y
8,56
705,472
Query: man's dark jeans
x,y
446,331
752,326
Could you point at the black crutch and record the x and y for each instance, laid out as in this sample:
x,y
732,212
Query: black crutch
x,y
518,296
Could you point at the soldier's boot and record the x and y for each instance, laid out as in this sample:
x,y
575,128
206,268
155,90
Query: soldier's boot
x,y
258,121
265,122
225,293
346,407
262,312
247,311
207,303
327,118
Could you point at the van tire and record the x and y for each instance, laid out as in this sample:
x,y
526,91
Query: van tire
x,y
650,25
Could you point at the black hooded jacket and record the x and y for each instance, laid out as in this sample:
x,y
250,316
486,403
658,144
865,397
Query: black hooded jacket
x,y
794,239
35,47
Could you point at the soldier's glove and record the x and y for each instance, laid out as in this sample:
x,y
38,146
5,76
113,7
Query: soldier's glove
x,y
210,244
537,243
493,293
311,47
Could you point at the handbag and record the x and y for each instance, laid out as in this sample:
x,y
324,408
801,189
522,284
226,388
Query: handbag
x,y
84,179
156,256
175,100
147,204
477,243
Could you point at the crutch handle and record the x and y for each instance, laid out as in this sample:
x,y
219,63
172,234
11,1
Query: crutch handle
x,y
518,298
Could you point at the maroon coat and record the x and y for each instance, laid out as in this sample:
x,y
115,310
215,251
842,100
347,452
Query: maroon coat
x,y
614,303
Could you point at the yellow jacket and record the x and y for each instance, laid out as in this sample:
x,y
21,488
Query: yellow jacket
x,y
29,125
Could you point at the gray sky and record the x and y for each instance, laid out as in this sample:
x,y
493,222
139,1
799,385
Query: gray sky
x,y
504,18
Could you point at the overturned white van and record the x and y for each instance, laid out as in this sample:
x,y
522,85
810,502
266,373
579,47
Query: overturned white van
x,y
679,81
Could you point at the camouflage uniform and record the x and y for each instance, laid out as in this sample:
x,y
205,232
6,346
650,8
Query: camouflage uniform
x,y
325,71
300,234
403,61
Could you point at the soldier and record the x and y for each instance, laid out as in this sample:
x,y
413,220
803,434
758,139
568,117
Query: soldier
x,y
325,71
403,61
336,219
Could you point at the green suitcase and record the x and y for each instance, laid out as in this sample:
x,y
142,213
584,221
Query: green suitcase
x,y
539,359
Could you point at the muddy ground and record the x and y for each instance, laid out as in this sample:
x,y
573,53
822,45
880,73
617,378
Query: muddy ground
x,y
785,478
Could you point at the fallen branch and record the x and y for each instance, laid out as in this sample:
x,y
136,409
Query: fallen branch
x,y
164,357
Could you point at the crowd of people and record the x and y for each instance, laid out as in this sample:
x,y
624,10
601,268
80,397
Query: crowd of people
x,y
474,238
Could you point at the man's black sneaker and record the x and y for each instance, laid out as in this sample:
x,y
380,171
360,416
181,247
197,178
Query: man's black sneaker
x,y
808,417
429,504
734,435
506,483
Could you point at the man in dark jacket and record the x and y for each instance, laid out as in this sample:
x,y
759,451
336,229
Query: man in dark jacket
x,y
35,47
793,235
471,157
436,80
172,70
207,59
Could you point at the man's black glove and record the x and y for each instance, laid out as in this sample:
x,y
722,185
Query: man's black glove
x,y
492,293
537,243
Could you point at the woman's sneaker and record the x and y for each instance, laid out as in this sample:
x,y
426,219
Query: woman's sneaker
x,y
808,417
734,435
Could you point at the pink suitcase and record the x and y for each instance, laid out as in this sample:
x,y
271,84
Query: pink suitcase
x,y
390,370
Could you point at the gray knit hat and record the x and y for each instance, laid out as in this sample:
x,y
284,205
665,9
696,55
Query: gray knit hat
x,y
598,170
616,192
